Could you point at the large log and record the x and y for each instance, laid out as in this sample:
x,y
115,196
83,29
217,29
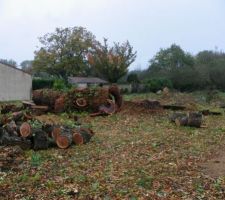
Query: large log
x,y
192,119
46,97
40,140
7,140
115,92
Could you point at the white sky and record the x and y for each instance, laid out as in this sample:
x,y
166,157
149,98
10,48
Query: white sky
x,y
148,24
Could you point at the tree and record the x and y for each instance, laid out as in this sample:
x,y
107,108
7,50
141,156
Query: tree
x,y
9,62
170,59
27,66
64,52
111,63
133,78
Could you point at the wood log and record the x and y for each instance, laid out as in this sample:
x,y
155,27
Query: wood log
x,y
181,121
208,112
7,140
55,132
25,130
109,109
39,110
59,105
174,107
115,92
176,115
194,119
150,104
86,134
77,138
40,140
27,104
46,97
64,138
81,102
11,128
82,136
17,116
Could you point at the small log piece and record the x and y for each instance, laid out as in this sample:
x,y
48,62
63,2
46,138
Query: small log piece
x,y
64,138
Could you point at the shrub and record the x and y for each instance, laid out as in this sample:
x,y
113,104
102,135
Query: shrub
x,y
59,84
155,84
40,83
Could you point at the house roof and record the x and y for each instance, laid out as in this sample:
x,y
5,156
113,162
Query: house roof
x,y
91,80
13,67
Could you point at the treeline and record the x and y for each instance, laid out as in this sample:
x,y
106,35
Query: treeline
x,y
175,68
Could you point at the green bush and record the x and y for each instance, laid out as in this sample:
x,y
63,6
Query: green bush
x,y
59,84
40,83
155,84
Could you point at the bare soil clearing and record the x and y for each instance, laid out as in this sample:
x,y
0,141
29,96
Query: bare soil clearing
x,y
135,154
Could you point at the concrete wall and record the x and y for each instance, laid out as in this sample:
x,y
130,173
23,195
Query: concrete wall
x,y
14,84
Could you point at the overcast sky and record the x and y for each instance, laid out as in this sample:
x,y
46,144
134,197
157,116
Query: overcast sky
x,y
149,25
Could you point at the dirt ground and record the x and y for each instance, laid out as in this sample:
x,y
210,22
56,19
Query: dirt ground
x,y
135,154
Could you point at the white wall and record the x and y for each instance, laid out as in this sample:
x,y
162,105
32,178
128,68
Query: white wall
x,y
14,84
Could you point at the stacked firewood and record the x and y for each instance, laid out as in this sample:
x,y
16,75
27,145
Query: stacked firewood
x,y
99,101
19,130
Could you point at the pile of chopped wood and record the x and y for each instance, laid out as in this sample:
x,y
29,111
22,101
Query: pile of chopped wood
x,y
100,101
20,130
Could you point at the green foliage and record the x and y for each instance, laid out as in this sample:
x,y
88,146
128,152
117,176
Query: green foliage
x,y
59,84
36,159
111,63
40,83
133,78
155,84
64,52
166,60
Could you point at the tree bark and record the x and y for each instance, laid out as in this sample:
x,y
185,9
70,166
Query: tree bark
x,y
40,140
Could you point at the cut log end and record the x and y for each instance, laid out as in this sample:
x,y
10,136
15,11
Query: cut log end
x,y
81,102
25,130
62,142
78,139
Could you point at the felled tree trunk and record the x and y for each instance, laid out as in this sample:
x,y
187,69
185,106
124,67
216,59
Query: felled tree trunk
x,y
115,92
6,139
40,140
191,119
46,97
11,128
177,115
174,107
